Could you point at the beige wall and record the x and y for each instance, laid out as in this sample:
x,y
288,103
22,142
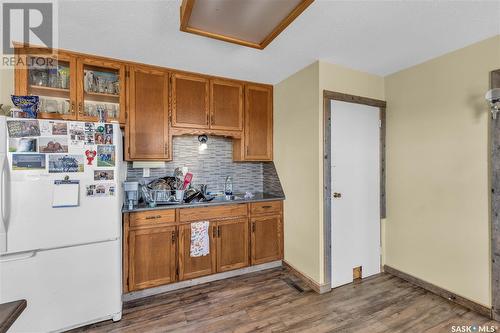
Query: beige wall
x,y
296,136
437,226
298,142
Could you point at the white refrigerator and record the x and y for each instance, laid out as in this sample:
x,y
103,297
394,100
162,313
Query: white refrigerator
x,y
65,261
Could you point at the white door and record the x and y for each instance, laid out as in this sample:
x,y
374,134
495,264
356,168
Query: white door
x,y
356,181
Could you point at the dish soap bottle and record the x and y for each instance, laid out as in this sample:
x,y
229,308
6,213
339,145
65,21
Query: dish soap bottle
x,y
228,187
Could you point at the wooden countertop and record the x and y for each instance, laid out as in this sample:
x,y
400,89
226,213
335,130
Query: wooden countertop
x,y
9,312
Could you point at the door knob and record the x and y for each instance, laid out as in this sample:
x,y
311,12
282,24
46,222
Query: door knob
x,y
337,195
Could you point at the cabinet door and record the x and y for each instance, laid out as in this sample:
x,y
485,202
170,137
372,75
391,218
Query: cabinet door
x,y
266,239
226,105
53,79
192,267
151,257
232,244
190,101
258,141
147,126
100,86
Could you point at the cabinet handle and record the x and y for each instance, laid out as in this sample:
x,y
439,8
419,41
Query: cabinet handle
x,y
253,226
214,232
173,236
153,217
266,207
212,120
219,231
72,107
80,108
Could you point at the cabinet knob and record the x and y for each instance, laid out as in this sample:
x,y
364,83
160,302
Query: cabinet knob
x,y
337,195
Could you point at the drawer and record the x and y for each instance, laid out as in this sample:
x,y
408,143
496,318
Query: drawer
x,y
266,207
152,218
212,213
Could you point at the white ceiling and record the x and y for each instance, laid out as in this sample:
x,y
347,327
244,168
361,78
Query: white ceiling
x,y
379,37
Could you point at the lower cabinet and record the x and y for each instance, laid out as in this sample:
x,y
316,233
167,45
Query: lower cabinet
x,y
193,267
232,244
151,257
266,239
157,244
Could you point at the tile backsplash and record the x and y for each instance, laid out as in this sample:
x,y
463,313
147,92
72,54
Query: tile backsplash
x,y
213,165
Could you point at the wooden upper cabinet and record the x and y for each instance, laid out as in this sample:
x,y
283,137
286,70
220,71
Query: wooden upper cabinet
x,y
258,138
190,101
192,267
226,105
73,87
53,79
232,244
147,126
266,238
100,85
151,257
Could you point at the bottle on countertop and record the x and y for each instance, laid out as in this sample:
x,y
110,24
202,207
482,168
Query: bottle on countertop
x,y
228,186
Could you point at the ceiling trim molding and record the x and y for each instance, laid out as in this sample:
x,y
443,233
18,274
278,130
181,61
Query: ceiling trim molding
x,y
187,8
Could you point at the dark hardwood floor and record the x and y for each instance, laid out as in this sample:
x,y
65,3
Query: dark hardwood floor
x,y
276,301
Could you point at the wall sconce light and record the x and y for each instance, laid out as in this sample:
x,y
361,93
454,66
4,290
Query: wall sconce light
x,y
493,97
202,139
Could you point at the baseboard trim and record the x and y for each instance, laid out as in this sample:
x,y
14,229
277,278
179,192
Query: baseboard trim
x,y
471,305
319,288
204,279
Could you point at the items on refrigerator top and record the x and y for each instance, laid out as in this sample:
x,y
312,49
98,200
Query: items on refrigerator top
x,y
65,261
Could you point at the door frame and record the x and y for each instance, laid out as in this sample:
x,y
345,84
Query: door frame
x,y
494,206
328,97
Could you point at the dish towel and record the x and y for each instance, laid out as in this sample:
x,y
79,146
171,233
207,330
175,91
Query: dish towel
x,y
200,240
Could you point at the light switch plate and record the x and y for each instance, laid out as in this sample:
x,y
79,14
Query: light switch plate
x,y
145,172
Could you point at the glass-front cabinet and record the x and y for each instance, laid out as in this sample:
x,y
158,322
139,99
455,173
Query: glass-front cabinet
x,y
100,88
53,79
72,87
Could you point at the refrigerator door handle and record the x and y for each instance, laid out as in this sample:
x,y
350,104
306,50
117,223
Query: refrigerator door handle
x,y
5,194
3,203
17,256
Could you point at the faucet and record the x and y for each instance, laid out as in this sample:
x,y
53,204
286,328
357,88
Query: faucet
x,y
203,188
